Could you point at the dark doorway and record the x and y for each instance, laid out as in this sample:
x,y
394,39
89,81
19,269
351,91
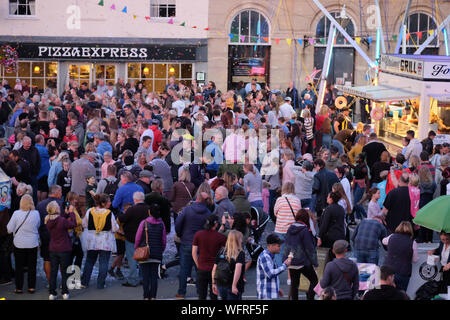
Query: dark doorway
x,y
342,64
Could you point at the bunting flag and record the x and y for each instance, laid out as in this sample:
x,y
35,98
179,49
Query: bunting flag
x,y
194,27
125,9
407,36
289,40
134,16
430,32
242,38
358,40
206,29
113,7
277,40
311,41
231,35
369,40
170,21
300,41
394,37
183,24
266,39
322,40
147,18
101,3
419,34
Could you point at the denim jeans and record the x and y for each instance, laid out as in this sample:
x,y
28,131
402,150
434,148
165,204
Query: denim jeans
x,y
326,140
279,256
401,282
226,294
186,264
204,283
306,203
59,260
91,259
367,256
132,277
149,279
257,204
358,193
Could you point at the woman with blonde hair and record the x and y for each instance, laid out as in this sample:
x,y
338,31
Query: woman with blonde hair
x,y
182,191
24,225
413,164
357,149
401,253
60,246
233,254
427,187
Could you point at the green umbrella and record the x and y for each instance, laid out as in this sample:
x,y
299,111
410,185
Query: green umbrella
x,y
435,215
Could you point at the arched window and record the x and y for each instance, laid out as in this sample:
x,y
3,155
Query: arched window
x,y
323,29
420,22
249,27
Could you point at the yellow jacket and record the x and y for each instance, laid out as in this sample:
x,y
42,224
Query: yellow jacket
x,y
357,149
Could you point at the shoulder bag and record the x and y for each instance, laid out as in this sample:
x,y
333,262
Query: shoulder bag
x,y
190,195
17,230
143,253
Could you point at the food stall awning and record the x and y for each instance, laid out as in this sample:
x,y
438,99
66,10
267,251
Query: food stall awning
x,y
378,93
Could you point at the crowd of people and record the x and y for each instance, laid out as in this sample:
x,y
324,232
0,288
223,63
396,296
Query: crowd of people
x,y
114,168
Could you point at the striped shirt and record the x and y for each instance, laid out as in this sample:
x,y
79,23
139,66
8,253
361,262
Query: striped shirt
x,y
309,125
283,212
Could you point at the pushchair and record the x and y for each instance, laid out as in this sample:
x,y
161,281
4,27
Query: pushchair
x,y
259,221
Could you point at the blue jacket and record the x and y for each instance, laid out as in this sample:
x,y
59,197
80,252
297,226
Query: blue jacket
x,y
125,195
103,147
55,169
45,161
191,220
300,241
14,117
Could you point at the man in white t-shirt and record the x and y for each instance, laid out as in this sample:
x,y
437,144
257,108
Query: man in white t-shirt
x,y
178,104
147,132
286,109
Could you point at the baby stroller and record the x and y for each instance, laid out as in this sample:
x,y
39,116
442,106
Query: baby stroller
x,y
259,221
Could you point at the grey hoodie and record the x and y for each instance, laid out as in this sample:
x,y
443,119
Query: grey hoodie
x,y
303,183
333,276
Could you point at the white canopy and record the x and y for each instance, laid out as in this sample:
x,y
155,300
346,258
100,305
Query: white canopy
x,y
378,93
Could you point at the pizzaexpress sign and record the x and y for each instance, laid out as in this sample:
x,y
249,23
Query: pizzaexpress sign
x,y
105,52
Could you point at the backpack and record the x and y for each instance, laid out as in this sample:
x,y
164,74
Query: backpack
x,y
224,274
111,188
427,291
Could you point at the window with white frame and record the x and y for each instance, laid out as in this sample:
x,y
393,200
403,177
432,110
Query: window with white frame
x,y
418,26
323,30
249,27
162,8
22,7
37,74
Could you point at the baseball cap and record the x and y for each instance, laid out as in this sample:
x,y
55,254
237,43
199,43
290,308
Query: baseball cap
x,y
145,174
274,239
287,99
340,246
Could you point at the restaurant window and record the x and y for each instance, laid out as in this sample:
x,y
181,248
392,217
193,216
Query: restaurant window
x,y
37,74
22,7
418,26
162,8
155,76
106,72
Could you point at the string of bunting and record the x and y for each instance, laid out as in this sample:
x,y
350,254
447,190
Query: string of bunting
x,y
259,39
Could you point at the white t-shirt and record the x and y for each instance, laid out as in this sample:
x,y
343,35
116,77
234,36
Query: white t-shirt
x,y
179,106
286,111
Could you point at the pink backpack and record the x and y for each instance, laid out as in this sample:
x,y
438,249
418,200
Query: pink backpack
x,y
414,195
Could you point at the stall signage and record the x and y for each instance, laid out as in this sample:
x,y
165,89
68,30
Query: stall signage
x,y
104,52
402,66
434,70
441,139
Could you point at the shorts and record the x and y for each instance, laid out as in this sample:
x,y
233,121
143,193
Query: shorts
x,y
45,250
120,244
43,184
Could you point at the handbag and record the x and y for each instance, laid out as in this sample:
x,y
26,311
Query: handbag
x,y
143,253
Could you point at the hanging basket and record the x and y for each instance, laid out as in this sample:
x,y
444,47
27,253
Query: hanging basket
x,y
8,58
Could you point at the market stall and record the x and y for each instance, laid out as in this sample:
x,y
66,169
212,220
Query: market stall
x,y
413,94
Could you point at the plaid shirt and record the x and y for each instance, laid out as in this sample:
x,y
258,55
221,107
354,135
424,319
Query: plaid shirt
x,y
368,234
267,282
98,167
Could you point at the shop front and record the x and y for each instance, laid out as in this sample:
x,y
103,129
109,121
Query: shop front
x,y
53,65
413,94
